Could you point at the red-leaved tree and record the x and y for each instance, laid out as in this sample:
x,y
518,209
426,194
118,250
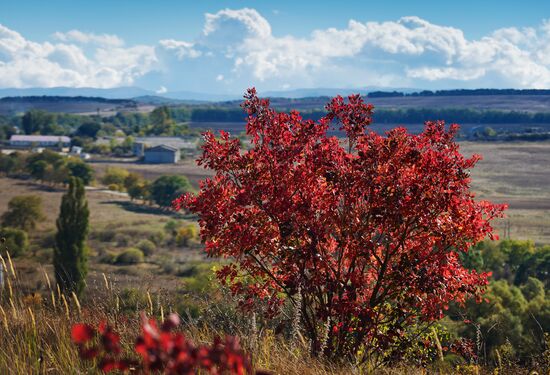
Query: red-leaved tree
x,y
363,234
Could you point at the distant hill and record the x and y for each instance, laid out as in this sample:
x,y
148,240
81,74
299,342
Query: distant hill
x,y
72,104
107,101
114,93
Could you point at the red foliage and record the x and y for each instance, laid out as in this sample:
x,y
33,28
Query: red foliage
x,y
368,229
161,350
465,348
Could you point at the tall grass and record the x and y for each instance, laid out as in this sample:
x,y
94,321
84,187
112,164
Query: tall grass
x,y
35,329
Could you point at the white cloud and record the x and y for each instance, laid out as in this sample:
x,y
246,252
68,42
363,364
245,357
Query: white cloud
x,y
24,63
77,36
180,49
162,90
240,47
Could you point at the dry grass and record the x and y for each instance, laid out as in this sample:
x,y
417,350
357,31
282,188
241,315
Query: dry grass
x,y
35,330
517,174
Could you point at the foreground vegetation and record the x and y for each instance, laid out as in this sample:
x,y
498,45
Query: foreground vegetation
x,y
327,272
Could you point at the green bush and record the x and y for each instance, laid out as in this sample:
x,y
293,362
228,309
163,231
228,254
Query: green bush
x,y
146,246
108,258
14,241
130,256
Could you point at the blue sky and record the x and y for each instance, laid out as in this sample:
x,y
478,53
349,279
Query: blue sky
x,y
225,46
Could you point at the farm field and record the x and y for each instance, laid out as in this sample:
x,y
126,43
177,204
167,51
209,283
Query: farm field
x,y
515,173
115,224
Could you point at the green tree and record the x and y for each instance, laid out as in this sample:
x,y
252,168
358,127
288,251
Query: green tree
x,y
78,168
70,255
167,188
7,164
38,169
89,129
140,190
23,212
132,179
39,122
161,121
114,176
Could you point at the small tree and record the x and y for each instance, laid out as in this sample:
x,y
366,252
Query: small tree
x,y
70,258
362,237
115,176
161,121
167,188
24,212
78,168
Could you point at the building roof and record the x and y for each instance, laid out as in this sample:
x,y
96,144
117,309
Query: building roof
x,y
40,138
161,148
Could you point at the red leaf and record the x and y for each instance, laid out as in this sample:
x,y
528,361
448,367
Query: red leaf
x,y
82,333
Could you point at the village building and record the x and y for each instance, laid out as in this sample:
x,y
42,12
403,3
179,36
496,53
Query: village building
x,y
162,154
51,141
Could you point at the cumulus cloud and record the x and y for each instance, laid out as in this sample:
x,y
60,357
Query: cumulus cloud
x,y
237,48
24,63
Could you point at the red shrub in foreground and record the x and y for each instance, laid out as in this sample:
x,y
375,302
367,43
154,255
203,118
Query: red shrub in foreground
x,y
362,236
160,350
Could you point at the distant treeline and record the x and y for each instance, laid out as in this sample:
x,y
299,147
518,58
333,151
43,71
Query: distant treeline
x,y
391,116
460,92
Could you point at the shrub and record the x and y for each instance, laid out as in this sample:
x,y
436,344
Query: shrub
x,y
115,187
122,239
363,238
130,256
14,241
160,349
146,246
108,257
157,237
107,235
23,212
114,176
186,234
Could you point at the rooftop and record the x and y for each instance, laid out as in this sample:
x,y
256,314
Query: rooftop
x,y
40,138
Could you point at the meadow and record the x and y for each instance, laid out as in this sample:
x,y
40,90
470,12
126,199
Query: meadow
x,y
173,277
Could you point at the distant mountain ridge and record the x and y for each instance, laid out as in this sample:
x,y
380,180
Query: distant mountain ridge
x,y
190,97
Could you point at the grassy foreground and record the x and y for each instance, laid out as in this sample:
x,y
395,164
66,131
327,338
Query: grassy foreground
x,y
35,333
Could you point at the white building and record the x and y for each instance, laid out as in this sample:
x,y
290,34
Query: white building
x,y
40,141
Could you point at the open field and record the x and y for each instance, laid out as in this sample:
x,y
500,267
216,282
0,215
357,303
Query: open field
x,y
115,224
513,173
187,168
516,173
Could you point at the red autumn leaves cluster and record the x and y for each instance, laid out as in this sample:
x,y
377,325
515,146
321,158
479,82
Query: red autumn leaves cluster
x,y
161,350
364,233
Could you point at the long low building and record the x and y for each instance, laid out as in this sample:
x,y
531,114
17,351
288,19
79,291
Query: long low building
x,y
40,141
